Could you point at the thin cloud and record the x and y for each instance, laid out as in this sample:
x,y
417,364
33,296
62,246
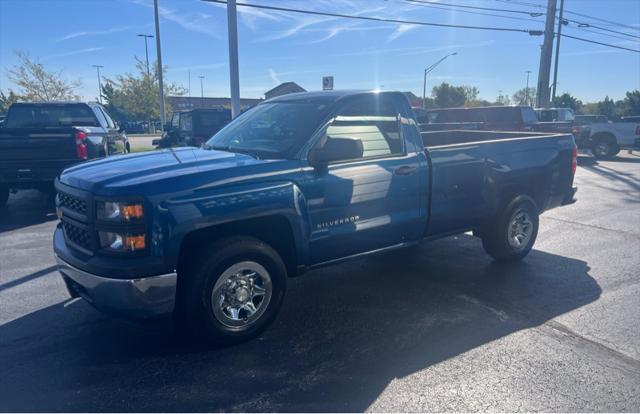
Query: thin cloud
x,y
400,30
274,76
195,22
95,32
78,52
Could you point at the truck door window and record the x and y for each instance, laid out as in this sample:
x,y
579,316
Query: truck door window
x,y
186,122
372,121
110,122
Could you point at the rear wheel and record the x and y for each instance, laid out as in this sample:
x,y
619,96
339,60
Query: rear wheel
x,y
4,195
232,293
512,234
604,147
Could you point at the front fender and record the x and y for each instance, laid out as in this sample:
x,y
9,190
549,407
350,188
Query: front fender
x,y
224,205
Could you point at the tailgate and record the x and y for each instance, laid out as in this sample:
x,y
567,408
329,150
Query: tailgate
x,y
35,154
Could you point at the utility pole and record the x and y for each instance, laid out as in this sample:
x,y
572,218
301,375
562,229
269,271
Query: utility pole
x,y
146,50
99,83
545,57
189,90
159,53
526,90
426,71
555,64
234,76
201,91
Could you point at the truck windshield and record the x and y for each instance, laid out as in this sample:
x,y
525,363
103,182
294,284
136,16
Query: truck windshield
x,y
23,116
274,130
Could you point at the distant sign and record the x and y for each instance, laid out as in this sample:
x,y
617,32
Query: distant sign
x,y
327,83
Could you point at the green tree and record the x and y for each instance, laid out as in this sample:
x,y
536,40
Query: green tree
x,y
6,100
566,100
448,96
36,83
524,96
632,103
135,97
607,108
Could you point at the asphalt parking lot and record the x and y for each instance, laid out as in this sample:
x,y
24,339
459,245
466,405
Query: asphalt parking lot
x,y
437,327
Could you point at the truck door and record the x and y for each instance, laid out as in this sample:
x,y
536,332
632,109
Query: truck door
x,y
368,203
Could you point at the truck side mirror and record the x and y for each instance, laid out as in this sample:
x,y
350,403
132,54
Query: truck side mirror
x,y
336,149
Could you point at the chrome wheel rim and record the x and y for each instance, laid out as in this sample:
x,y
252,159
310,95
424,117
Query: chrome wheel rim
x,y
241,295
520,230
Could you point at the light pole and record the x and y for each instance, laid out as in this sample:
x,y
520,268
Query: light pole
x,y
146,50
99,83
159,54
526,89
201,91
426,71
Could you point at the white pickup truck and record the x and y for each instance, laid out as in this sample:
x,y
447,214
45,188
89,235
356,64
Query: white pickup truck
x,y
606,139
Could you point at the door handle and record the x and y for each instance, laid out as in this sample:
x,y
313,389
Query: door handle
x,y
405,170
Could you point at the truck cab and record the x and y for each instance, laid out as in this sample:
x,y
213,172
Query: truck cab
x,y
193,127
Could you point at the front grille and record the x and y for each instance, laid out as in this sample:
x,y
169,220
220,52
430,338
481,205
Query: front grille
x,y
72,203
77,235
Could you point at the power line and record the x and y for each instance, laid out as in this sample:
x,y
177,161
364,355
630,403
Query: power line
x,y
521,3
582,25
600,33
444,7
599,43
382,19
532,14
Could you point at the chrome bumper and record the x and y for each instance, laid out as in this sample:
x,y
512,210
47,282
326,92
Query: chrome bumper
x,y
134,298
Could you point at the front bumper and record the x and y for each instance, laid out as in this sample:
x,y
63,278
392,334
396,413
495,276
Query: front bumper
x,y
144,297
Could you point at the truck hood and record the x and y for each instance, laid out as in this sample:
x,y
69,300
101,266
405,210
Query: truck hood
x,y
137,172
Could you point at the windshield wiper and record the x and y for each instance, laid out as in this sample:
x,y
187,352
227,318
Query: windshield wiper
x,y
229,148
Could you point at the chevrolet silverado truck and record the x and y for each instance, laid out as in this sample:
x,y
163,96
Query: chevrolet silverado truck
x,y
210,235
39,140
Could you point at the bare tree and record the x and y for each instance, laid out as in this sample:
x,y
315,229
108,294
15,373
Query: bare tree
x,y
35,83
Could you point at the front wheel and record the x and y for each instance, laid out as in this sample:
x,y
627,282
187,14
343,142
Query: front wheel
x,y
232,293
512,234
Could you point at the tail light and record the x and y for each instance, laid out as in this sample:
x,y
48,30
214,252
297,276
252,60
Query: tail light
x,y
574,160
576,130
81,145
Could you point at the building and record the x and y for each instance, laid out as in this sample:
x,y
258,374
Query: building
x,y
183,103
284,89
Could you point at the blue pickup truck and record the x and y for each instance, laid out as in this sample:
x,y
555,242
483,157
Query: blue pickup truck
x,y
210,235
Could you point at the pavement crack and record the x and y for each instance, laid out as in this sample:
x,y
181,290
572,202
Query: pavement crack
x,y
592,226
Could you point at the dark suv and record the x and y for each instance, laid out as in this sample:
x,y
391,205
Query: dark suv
x,y
193,127
492,118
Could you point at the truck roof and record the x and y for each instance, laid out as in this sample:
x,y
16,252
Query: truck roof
x,y
326,96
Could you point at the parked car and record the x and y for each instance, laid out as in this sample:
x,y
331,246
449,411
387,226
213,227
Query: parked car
x,y
633,118
606,139
496,118
303,180
193,127
555,114
590,119
39,140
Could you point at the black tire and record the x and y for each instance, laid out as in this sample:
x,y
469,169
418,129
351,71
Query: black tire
x,y
498,237
4,195
604,147
201,319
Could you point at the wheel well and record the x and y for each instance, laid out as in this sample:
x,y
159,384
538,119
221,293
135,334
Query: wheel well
x,y
273,230
605,136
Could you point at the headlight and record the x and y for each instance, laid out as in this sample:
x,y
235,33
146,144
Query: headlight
x,y
120,211
118,242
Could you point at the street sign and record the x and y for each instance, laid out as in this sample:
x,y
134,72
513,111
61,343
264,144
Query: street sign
x,y
327,83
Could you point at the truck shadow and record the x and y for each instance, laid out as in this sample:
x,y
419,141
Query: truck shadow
x,y
343,335
26,208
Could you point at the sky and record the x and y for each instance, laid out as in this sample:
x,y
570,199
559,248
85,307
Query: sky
x,y
69,36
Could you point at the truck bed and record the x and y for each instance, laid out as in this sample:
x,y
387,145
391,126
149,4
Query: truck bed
x,y
470,170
